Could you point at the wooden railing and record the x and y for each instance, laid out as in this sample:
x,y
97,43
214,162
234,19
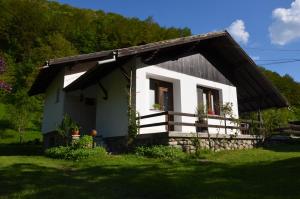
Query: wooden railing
x,y
289,129
242,125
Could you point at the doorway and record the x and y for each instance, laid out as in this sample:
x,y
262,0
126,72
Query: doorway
x,y
163,94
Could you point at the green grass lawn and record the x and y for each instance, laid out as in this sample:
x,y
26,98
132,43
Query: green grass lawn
x,y
258,173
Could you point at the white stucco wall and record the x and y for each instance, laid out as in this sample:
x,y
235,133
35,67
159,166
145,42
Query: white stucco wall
x,y
79,110
185,97
53,111
111,114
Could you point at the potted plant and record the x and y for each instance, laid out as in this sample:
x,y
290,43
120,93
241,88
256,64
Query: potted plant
x,y
156,107
75,129
201,116
65,127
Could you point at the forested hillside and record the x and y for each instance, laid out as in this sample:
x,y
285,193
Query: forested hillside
x,y
32,31
291,91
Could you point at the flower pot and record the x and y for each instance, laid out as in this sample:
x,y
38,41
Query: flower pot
x,y
93,133
75,132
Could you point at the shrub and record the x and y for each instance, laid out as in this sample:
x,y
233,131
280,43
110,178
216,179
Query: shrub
x,y
84,142
69,153
163,152
57,152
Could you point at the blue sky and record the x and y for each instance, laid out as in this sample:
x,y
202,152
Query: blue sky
x,y
252,22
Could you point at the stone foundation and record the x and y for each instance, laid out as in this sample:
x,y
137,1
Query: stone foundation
x,y
216,142
185,141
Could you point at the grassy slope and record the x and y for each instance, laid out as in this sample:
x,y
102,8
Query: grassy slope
x,y
9,136
257,173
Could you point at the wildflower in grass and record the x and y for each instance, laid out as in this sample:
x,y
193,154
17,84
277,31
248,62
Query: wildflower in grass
x,y
3,85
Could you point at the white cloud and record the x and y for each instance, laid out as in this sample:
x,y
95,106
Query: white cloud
x,y
238,30
286,24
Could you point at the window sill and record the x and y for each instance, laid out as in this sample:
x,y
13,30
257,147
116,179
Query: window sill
x,y
156,110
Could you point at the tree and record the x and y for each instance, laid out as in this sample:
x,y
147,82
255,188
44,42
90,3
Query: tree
x,y
20,112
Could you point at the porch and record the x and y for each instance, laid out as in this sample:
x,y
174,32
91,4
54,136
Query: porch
x,y
169,121
235,134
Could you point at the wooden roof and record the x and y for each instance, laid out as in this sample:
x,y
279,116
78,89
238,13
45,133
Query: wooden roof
x,y
254,90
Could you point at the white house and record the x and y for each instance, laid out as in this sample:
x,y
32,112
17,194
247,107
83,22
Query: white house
x,y
175,75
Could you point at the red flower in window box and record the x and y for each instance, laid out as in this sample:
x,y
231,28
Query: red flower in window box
x,y
211,112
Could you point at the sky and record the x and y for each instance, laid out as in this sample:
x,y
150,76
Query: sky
x,y
268,30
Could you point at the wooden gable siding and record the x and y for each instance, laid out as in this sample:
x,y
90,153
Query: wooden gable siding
x,y
195,65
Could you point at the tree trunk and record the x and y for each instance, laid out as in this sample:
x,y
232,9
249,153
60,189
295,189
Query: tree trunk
x,y
21,135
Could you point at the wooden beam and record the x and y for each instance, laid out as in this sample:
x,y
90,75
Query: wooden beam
x,y
124,73
104,90
152,55
153,115
154,124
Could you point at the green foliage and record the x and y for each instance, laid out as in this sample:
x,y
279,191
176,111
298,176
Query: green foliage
x,y
275,118
201,112
156,106
196,141
57,152
296,112
69,153
84,142
80,149
257,173
271,119
226,109
66,126
2,111
159,151
133,124
286,85
21,112
10,136
33,31
291,91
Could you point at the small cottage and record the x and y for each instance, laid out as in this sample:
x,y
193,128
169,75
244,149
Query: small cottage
x,y
165,82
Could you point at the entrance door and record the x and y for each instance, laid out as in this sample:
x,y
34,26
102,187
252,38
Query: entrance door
x,y
163,93
163,97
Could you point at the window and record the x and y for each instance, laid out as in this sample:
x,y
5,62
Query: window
x,y
161,95
209,99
